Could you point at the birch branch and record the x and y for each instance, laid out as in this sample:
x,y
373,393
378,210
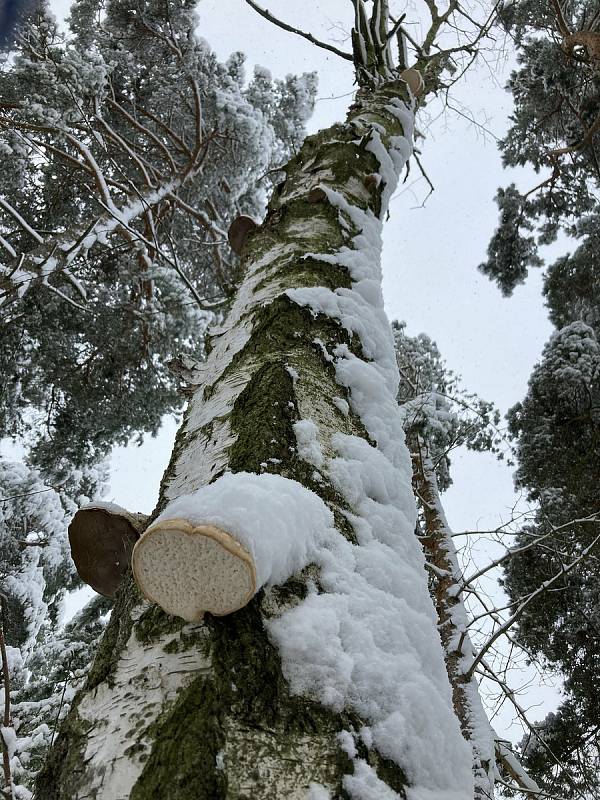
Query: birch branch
x,y
486,671
513,551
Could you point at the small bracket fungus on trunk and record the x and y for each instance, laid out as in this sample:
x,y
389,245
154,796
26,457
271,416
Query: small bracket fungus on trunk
x,y
317,195
589,40
189,570
372,181
238,232
101,538
415,81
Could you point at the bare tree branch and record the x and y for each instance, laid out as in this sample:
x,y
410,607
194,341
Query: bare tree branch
x,y
290,29
528,600
511,552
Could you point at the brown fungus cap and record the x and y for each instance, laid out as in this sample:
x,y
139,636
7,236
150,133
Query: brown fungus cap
x,y
101,540
238,232
317,195
414,79
372,180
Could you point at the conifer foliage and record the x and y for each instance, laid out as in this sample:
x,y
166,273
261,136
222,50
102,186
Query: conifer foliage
x,y
126,149
35,575
435,407
556,129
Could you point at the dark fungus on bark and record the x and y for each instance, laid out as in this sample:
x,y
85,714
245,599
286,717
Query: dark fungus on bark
x,y
101,541
317,195
239,230
372,181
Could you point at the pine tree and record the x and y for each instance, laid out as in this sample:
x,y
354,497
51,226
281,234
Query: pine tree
x,y
56,667
127,150
35,573
435,407
558,430
72,107
290,474
556,128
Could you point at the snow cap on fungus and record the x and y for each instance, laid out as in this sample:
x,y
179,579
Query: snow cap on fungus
x,y
101,538
214,548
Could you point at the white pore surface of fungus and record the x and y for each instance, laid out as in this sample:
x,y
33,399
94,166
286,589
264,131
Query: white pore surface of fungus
x,y
189,569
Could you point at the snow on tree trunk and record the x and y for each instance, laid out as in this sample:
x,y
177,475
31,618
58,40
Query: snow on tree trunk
x,y
331,681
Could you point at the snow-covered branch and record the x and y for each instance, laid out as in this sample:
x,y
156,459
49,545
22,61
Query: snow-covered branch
x,y
290,29
54,255
7,733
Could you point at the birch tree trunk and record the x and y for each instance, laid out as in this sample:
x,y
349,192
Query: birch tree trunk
x,y
217,709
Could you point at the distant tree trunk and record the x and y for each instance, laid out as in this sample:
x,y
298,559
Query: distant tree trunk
x,y
452,620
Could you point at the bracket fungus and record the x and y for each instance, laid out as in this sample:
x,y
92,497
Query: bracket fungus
x,y
238,232
589,40
414,79
372,181
317,195
188,570
101,538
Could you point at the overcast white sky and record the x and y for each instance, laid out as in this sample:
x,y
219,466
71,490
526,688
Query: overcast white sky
x,y
431,251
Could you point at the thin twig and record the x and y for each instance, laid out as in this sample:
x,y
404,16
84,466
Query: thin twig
x,y
513,551
62,699
530,598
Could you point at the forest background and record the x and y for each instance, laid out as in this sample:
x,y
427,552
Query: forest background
x,y
430,272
